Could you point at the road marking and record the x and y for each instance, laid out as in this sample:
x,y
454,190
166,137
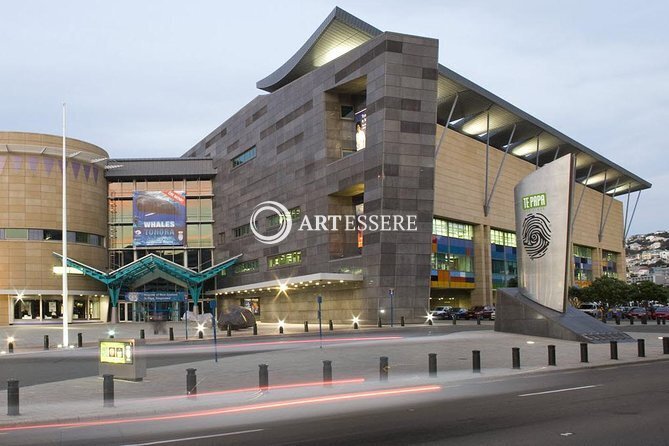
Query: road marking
x,y
202,437
559,390
567,434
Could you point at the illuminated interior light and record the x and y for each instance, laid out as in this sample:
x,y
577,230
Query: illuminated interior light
x,y
10,339
200,328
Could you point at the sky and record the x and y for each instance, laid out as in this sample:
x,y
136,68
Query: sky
x,y
152,78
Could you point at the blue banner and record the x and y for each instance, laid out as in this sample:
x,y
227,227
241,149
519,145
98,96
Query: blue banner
x,y
155,296
159,218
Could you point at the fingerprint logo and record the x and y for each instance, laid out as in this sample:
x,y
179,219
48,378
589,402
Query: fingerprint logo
x,y
286,223
536,235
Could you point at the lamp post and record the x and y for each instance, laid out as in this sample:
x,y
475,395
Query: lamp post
x,y
319,299
391,293
65,309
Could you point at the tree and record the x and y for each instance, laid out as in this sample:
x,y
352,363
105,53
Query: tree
x,y
648,291
607,290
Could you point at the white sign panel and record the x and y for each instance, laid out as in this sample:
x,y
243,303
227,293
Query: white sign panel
x,y
543,209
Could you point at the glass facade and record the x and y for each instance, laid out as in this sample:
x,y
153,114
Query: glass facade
x,y
452,254
504,257
44,308
609,264
582,265
249,266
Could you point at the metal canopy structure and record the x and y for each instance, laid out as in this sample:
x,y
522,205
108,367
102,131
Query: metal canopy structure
x,y
466,108
148,268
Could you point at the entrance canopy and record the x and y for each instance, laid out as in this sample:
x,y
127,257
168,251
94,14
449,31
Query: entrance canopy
x,y
148,268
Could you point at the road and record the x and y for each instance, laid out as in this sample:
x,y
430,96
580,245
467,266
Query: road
x,y
616,405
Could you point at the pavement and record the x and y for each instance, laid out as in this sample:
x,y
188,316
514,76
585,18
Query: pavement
x,y
296,361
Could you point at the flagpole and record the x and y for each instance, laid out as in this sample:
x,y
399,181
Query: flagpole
x,y
65,309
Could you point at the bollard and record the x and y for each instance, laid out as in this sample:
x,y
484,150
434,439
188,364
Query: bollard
x,y
306,326
142,334
604,317
432,365
383,368
10,347
429,322
584,352
515,357
476,361
664,321
617,320
665,345
80,340
171,333
280,329
228,331
478,320
263,377
46,342
379,324
551,355
200,334
355,325
255,329
330,325
644,320
191,382
402,321
614,349
455,318
658,320
327,373
107,390
641,348
13,397
631,320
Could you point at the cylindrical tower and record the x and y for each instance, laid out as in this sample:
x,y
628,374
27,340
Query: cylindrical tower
x,y
30,228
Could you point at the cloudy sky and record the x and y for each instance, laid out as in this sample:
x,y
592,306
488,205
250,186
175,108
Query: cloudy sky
x,y
151,78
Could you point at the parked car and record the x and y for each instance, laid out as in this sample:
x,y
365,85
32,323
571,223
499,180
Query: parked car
x,y
589,308
458,313
637,313
440,312
662,313
480,311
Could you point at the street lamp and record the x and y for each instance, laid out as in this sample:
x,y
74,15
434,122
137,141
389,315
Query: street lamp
x,y
65,309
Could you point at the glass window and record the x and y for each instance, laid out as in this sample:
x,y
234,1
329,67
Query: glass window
x,y
244,157
206,187
205,259
206,235
52,234
16,234
241,231
80,237
192,187
35,234
246,267
288,258
193,209
193,235
206,209
452,229
275,219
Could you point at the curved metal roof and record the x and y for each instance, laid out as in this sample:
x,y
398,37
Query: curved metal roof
x,y
532,138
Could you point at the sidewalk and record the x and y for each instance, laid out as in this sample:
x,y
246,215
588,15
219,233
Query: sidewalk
x,y
79,399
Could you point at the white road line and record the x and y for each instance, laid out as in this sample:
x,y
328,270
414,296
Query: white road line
x,y
559,390
202,437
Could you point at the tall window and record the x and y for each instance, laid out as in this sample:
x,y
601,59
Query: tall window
x,y
275,219
244,157
241,231
582,265
504,257
452,254
609,264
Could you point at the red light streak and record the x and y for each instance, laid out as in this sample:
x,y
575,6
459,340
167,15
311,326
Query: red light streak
x,y
237,409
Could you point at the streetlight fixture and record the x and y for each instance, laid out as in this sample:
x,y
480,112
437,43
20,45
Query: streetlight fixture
x,y
65,309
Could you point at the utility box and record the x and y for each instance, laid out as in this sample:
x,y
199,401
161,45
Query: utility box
x,y
120,357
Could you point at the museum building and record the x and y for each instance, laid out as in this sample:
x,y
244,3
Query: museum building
x,y
359,122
